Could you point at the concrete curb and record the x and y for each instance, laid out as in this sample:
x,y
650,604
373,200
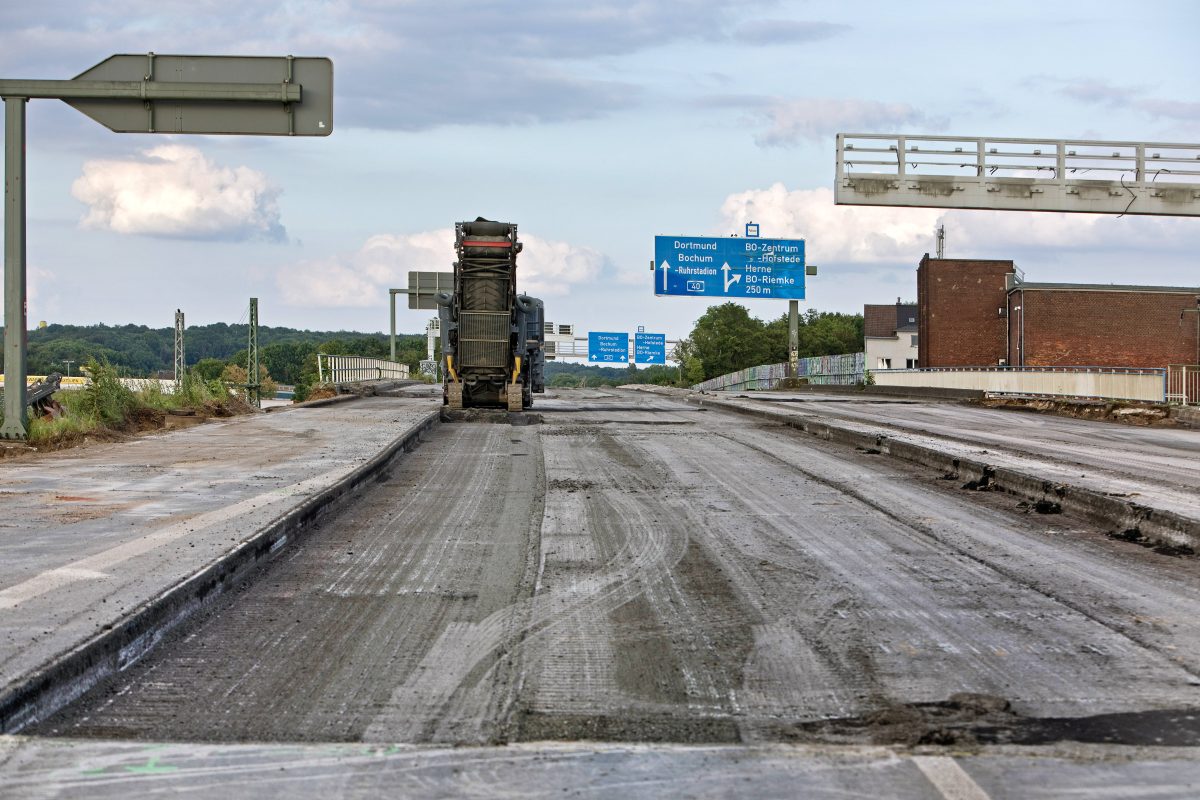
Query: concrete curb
x,y
1165,527
67,676
1186,415
922,392
324,401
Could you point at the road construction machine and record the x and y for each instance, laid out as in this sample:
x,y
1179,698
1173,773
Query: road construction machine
x,y
493,352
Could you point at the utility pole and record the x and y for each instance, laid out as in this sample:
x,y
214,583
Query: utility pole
x,y
793,338
14,269
68,362
179,359
252,385
392,339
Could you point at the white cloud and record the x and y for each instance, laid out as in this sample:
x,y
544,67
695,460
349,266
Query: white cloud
x,y
869,234
176,191
991,231
362,279
833,233
502,62
816,118
1103,93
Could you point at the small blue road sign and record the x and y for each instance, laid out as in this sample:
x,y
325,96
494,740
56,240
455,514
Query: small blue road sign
x,y
608,348
650,348
702,266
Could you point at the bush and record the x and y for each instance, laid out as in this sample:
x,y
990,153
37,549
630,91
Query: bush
x,y
71,425
106,400
236,378
194,391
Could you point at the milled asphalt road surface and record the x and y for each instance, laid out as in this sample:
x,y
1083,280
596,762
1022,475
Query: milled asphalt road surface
x,y
637,569
88,534
55,768
1155,465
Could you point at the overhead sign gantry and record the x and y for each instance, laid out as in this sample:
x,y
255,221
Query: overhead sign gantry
x,y
1072,175
250,95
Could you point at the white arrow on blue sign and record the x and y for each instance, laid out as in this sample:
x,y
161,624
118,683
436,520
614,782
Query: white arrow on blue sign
x,y
607,348
704,266
650,348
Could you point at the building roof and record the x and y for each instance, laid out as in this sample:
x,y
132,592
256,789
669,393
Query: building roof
x,y
882,322
1104,287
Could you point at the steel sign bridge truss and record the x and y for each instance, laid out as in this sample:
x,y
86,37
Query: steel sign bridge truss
x,y
1073,175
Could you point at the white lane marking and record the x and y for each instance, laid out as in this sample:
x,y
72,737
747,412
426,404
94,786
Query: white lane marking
x,y
93,567
951,780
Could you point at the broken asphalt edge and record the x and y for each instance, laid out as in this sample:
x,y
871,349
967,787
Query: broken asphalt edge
x,y
1157,525
43,691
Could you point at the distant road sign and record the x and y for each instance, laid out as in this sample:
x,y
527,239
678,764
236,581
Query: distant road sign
x,y
701,266
608,348
424,286
650,348
279,95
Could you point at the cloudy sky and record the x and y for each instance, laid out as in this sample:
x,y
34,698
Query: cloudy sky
x,y
594,126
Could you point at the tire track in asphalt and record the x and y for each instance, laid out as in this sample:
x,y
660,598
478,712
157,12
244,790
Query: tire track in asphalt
x,y
1054,635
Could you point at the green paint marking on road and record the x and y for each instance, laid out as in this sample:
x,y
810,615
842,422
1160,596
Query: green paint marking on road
x,y
95,771
151,767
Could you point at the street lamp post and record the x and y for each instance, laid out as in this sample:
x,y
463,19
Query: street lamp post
x,y
68,362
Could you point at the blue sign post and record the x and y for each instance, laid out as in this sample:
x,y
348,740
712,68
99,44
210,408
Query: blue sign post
x,y
702,266
608,348
650,348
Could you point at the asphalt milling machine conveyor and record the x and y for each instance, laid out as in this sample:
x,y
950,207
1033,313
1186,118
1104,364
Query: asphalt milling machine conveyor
x,y
492,345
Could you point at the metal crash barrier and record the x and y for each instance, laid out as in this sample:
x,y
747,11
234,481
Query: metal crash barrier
x,y
839,370
351,369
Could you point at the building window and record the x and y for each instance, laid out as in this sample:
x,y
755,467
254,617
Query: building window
x,y
910,363
914,340
885,363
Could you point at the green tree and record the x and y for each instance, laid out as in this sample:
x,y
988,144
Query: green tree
x,y
831,333
726,338
208,369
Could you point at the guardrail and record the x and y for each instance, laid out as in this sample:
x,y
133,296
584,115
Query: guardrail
x,y
1183,384
350,369
1102,383
839,370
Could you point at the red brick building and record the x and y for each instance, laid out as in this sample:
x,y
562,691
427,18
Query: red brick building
x,y
960,311
1098,325
983,313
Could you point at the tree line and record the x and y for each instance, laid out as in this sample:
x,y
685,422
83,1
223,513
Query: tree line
x,y
724,339
287,355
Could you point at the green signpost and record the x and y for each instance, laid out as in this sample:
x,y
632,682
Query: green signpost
x,y
242,95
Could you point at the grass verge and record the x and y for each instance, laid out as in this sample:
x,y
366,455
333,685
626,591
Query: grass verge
x,y
106,409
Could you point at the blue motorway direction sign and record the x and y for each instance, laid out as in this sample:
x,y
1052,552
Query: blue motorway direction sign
x,y
650,348
608,347
703,266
